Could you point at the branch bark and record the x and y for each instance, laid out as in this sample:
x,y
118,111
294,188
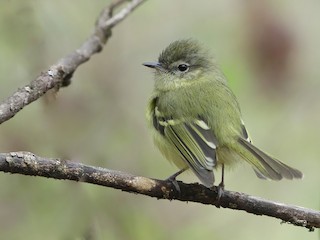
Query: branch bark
x,y
60,73
27,163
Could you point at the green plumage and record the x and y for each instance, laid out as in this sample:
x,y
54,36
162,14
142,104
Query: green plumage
x,y
196,119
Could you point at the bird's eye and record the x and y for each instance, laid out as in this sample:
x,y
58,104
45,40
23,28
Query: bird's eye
x,y
183,67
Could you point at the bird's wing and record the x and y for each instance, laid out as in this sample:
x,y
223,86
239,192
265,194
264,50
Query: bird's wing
x,y
195,142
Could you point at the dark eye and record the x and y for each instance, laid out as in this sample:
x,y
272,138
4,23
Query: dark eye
x,y
183,67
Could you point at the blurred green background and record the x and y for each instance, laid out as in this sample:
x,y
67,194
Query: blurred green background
x,y
269,51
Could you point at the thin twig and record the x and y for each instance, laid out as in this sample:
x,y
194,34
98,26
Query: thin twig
x,y
59,74
29,164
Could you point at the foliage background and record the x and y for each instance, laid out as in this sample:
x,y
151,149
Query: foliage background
x,y
99,119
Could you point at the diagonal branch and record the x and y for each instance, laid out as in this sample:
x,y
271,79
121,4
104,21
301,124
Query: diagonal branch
x,y
60,73
29,164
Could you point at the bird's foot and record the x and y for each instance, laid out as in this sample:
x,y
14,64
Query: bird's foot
x,y
220,191
173,180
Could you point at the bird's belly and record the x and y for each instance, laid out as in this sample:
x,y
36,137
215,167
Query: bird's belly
x,y
227,156
169,151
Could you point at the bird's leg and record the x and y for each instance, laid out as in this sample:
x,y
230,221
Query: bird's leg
x,y
173,176
221,185
172,179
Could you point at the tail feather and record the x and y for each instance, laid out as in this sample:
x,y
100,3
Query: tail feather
x,y
266,166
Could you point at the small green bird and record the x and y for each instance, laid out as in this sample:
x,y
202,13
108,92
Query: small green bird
x,y
196,119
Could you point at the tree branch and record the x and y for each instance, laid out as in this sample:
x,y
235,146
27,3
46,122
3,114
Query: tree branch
x,y
59,74
29,164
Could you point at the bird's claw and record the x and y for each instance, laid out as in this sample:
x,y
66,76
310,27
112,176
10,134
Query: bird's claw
x,y
220,191
175,183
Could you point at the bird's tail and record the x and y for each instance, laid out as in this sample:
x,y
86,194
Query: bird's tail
x,y
265,166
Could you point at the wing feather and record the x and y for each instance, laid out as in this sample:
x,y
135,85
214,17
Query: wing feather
x,y
195,142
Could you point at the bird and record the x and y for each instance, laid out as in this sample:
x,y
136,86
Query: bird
x,y
195,118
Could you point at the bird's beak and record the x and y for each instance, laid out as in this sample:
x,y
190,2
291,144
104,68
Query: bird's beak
x,y
154,65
